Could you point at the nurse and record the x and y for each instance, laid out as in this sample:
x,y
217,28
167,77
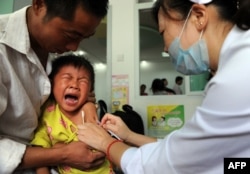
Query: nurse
x,y
199,35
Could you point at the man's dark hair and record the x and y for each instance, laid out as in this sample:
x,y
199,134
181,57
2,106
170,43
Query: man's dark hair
x,y
65,9
178,78
77,62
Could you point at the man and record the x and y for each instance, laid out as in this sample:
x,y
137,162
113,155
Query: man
x,y
26,38
178,83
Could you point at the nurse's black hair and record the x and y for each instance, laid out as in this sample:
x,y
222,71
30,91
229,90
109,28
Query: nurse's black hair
x,y
235,11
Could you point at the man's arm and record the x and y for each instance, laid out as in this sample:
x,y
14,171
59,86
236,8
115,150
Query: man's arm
x,y
42,170
75,154
11,155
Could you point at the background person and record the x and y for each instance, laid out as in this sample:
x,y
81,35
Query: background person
x,y
158,87
27,37
169,91
199,35
178,83
143,89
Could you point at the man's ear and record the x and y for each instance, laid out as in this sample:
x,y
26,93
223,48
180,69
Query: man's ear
x,y
37,5
199,12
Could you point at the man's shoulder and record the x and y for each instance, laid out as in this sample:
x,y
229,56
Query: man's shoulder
x,y
3,22
13,30
175,86
12,20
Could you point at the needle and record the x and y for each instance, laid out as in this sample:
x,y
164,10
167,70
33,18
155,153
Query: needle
x,y
111,133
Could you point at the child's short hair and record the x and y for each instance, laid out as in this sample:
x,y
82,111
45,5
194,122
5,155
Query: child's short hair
x,y
77,62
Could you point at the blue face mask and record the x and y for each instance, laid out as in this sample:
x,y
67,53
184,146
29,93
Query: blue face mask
x,y
194,60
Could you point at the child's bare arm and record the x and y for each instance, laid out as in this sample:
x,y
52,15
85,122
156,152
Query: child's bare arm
x,y
90,112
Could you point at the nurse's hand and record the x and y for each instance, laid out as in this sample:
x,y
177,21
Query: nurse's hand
x,y
116,125
94,135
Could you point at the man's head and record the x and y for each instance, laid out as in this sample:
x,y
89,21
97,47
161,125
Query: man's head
x,y
60,25
65,9
179,80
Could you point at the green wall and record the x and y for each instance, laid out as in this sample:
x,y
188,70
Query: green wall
x,y
198,82
6,6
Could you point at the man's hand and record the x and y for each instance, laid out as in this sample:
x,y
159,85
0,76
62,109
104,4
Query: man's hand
x,y
81,156
75,154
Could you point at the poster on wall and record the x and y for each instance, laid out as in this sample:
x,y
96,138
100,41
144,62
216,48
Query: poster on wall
x,y
119,91
163,119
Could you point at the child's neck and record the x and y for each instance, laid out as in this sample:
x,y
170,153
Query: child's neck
x,y
74,116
